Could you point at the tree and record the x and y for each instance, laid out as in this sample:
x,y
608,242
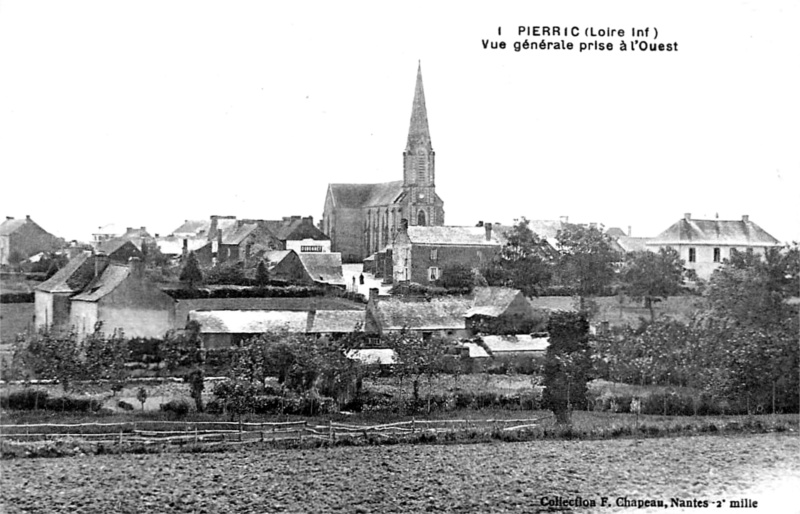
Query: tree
x,y
652,276
587,259
567,364
50,355
456,277
141,395
524,261
185,350
105,357
191,274
262,273
416,358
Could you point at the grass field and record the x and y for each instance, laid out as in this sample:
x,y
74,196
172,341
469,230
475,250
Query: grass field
x,y
492,478
15,318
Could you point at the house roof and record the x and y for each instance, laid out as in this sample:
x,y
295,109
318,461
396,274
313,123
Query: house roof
x,y
323,267
236,234
476,351
715,232
515,343
111,246
136,233
276,256
311,303
384,356
615,232
356,196
335,321
295,228
472,236
437,314
9,226
492,301
249,322
193,227
105,283
633,244
74,276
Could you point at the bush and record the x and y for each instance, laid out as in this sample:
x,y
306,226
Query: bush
x,y
178,407
70,404
125,405
27,399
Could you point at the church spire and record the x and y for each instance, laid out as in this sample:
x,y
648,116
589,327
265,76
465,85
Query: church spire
x,y
418,130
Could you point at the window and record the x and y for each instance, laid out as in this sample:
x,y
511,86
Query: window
x,y
433,274
692,255
421,218
434,254
716,255
421,165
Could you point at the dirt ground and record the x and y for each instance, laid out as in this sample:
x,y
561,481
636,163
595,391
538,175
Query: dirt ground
x,y
490,477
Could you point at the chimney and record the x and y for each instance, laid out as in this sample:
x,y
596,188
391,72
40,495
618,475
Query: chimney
x,y
9,217
488,228
404,225
144,229
480,224
28,217
745,218
373,294
630,232
137,267
129,229
564,219
687,216
309,219
185,251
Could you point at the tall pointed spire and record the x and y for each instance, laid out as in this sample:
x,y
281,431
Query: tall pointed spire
x,y
418,130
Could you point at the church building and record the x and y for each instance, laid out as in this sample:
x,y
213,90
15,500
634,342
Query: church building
x,y
362,219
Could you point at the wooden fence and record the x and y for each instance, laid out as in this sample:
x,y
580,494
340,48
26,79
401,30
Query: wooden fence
x,y
211,432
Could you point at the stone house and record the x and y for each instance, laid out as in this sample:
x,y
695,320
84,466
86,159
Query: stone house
x,y
120,250
226,328
52,298
704,244
500,310
122,298
310,268
362,219
440,317
22,238
420,253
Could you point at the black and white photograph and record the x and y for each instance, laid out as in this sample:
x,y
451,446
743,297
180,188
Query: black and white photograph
x,y
404,257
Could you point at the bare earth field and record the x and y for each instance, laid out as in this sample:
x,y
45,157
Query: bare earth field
x,y
501,477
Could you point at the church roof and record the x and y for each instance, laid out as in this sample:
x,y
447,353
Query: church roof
x,y
356,196
726,232
418,128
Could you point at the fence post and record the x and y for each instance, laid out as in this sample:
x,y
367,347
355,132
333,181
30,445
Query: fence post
x,y
413,425
240,429
262,431
120,435
330,431
195,433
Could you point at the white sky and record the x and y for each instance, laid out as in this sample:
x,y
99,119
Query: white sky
x,y
149,113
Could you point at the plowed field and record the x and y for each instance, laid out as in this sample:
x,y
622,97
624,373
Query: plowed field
x,y
501,477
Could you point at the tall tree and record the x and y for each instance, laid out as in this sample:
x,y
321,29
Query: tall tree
x,y
524,261
262,273
587,259
653,277
567,364
191,274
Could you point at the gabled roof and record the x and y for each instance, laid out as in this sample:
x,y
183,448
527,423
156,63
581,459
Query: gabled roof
x,y
105,283
615,232
136,233
111,246
384,356
633,244
492,301
9,226
437,314
236,234
73,277
335,321
476,351
472,236
193,227
323,267
713,232
515,343
295,228
249,322
276,256
356,196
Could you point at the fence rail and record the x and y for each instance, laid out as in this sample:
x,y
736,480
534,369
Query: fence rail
x,y
203,432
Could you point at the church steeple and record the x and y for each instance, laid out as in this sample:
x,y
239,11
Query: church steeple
x,y
418,132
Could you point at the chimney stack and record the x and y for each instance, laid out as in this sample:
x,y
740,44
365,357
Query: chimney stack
x,y
745,218
564,219
687,216
373,294
100,263
28,217
630,232
137,267
404,225
185,251
480,224
488,227
9,217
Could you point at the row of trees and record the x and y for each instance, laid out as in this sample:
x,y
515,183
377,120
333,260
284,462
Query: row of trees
x,y
233,272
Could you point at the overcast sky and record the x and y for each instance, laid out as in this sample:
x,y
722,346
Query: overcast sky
x,y
150,113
